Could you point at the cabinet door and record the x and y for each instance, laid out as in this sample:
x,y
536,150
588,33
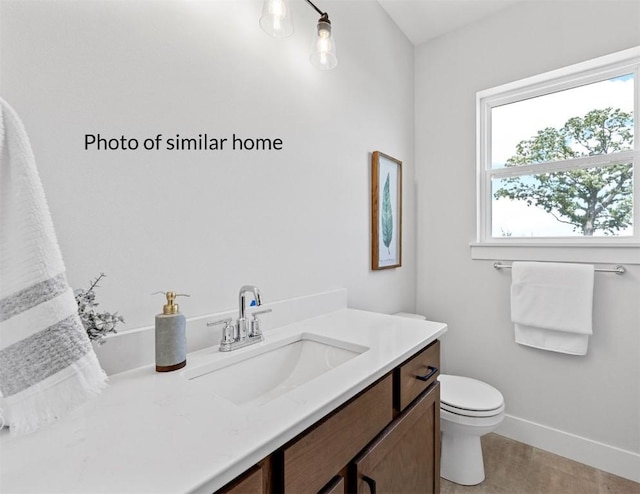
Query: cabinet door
x,y
406,456
315,457
336,486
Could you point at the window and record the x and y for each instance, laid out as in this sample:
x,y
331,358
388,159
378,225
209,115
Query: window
x,y
557,159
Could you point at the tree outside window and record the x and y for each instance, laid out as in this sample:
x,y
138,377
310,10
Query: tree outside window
x,y
592,199
557,153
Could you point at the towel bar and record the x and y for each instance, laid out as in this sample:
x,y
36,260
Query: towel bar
x,y
616,269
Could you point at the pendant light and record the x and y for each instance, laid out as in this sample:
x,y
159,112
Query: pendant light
x,y
276,21
276,18
323,52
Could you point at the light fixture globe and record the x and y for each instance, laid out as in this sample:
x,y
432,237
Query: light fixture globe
x,y
323,52
276,18
276,21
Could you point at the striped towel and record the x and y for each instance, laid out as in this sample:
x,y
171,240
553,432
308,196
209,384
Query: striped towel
x,y
47,363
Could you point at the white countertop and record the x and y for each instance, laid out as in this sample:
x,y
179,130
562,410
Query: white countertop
x,y
158,432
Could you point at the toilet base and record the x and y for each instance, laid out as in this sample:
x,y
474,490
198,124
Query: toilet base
x,y
461,460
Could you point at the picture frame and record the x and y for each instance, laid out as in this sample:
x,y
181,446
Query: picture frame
x,y
386,211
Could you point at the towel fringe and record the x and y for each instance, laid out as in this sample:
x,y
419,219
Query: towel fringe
x,y
43,403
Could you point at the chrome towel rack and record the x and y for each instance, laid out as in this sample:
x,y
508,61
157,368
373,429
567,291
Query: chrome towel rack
x,y
616,269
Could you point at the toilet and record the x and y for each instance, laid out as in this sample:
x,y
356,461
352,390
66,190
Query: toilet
x,y
469,409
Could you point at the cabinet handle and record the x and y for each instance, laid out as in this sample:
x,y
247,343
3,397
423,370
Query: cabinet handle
x,y
432,370
371,483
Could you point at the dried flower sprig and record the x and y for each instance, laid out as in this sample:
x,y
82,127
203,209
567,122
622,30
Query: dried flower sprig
x,y
97,324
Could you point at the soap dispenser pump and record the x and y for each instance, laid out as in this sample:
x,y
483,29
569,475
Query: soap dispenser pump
x,y
171,339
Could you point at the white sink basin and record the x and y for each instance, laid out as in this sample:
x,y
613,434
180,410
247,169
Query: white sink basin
x,y
257,375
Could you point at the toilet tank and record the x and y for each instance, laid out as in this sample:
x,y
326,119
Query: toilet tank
x,y
410,315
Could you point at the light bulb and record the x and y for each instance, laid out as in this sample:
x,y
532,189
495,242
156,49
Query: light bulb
x,y
276,19
323,53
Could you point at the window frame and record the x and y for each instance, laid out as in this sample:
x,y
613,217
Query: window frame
x,y
602,68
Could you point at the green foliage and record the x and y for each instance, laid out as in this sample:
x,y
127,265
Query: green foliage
x,y
594,199
387,216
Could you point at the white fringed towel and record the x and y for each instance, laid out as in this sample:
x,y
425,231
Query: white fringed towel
x,y
552,305
47,363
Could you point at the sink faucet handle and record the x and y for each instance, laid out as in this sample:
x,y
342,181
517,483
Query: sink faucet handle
x,y
221,321
255,322
227,329
259,312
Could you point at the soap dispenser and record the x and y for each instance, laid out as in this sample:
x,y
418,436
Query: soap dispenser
x,y
171,339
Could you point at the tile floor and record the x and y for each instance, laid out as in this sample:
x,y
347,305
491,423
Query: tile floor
x,y
512,467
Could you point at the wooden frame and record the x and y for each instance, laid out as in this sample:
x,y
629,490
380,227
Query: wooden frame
x,y
386,211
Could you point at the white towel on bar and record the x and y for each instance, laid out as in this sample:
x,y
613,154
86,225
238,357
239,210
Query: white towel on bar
x,y
47,363
552,305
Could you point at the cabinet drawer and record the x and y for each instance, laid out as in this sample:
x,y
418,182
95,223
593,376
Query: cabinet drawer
x,y
415,375
248,483
313,459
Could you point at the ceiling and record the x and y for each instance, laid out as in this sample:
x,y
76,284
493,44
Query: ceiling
x,y
422,20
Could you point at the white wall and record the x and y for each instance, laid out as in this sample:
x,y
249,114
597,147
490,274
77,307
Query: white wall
x,y
296,221
293,222
596,397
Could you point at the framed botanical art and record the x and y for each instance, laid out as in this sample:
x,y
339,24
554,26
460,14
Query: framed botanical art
x,y
386,211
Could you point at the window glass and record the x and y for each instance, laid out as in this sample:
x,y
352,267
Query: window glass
x,y
587,120
557,158
575,203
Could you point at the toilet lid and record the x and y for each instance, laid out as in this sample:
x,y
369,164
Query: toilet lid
x,y
467,396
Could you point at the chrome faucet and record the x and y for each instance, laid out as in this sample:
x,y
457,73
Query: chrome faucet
x,y
235,336
241,324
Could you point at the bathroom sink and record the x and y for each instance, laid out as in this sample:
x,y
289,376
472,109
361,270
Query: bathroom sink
x,y
267,371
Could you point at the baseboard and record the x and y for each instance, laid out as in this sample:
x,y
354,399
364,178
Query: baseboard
x,y
598,455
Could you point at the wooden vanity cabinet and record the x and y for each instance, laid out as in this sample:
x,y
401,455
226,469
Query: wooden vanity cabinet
x,y
415,375
316,456
250,482
385,440
336,486
405,458
257,480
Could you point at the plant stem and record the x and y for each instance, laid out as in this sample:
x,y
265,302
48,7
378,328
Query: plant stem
x,y
95,283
